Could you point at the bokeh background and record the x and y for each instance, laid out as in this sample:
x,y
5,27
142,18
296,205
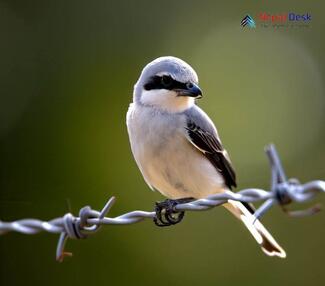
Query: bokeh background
x,y
67,70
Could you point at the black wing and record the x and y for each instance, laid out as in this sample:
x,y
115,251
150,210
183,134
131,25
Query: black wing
x,y
211,147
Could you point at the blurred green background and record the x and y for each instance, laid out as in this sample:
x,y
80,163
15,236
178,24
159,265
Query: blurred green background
x,y
67,70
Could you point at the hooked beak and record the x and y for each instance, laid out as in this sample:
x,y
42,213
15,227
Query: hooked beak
x,y
191,90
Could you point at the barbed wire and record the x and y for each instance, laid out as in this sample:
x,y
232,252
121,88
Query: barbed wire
x,y
283,191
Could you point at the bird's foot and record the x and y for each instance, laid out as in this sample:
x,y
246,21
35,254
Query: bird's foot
x,y
166,213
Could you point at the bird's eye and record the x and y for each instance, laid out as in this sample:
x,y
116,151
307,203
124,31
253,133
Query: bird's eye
x,y
166,81
189,85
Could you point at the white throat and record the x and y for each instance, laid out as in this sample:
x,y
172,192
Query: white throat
x,y
166,100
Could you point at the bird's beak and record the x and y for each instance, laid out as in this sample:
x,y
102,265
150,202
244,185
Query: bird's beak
x,y
192,90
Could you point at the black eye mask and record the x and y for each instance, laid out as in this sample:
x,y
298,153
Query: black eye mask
x,y
164,82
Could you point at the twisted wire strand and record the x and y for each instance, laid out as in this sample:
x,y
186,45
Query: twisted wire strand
x,y
283,191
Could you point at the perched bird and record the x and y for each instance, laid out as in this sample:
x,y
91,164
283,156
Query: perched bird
x,y
177,147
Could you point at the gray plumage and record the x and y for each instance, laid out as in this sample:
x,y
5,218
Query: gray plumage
x,y
176,68
176,145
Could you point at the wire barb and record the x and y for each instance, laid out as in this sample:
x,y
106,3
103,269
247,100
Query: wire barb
x,y
283,191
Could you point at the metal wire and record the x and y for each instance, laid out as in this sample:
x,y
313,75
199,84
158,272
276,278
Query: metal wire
x,y
283,191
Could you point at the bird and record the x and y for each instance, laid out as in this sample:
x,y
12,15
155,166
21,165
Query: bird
x,y
177,148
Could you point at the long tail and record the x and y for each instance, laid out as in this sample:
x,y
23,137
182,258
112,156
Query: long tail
x,y
259,232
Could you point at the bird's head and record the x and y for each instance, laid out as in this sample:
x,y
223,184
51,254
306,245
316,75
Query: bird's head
x,y
169,84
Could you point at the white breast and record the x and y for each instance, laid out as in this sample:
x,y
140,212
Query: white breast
x,y
166,159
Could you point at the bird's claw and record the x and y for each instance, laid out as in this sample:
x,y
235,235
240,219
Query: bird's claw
x,y
166,213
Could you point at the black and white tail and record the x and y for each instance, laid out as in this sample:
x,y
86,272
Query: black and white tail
x,y
259,232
